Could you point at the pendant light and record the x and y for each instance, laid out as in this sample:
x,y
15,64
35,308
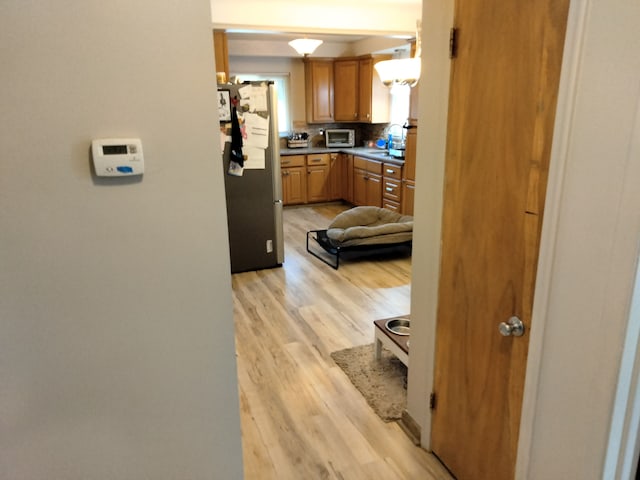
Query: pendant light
x,y
305,46
402,71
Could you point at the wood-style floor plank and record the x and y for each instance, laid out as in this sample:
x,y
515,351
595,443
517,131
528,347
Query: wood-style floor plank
x,y
301,417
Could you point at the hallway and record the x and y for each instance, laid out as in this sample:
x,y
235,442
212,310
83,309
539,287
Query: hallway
x,y
301,417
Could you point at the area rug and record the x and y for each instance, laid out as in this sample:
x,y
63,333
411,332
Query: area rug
x,y
381,382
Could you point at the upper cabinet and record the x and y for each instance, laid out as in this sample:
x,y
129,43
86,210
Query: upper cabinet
x,y
346,82
221,55
319,90
373,96
354,93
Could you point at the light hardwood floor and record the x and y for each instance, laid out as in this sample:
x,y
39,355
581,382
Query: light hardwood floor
x,y
301,417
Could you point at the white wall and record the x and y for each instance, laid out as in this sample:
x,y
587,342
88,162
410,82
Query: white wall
x,y
433,108
117,349
293,66
364,16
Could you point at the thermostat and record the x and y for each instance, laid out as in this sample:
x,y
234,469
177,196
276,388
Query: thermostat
x,y
117,157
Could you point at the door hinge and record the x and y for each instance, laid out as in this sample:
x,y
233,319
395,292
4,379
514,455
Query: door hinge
x,y
432,401
453,42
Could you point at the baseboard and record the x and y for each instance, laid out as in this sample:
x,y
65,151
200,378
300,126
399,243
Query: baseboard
x,y
410,427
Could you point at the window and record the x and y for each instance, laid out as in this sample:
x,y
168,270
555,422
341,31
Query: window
x,y
281,82
400,101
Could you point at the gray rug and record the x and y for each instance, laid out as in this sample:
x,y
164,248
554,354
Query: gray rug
x,y
382,383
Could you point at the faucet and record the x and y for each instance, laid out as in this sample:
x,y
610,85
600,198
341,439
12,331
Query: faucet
x,y
388,129
388,133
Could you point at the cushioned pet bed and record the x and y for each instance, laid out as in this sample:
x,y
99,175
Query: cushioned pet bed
x,y
360,229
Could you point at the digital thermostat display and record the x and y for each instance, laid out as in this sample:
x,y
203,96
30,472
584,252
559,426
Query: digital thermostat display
x,y
117,157
114,150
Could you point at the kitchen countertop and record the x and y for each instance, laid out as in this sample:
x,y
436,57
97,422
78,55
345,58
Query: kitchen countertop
x,y
371,153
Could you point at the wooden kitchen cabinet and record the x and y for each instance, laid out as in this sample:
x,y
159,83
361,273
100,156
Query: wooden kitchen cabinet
x,y
221,53
335,176
346,83
373,98
346,167
359,95
294,179
408,191
318,177
319,90
409,170
367,182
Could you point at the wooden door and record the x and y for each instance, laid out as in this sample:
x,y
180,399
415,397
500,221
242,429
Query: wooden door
x,y
409,171
408,195
504,84
318,177
293,185
345,88
365,74
221,53
335,177
359,186
346,164
374,190
319,91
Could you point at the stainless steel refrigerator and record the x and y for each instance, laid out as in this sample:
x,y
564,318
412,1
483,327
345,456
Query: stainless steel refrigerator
x,y
254,198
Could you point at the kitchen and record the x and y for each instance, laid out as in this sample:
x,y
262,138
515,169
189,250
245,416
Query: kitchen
x,y
385,120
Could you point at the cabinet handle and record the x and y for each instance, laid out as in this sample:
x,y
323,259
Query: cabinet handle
x,y
285,162
389,189
389,170
355,115
316,159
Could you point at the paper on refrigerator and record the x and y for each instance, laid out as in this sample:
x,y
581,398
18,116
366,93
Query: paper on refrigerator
x,y
257,130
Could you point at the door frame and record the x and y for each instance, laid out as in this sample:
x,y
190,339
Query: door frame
x,y
588,22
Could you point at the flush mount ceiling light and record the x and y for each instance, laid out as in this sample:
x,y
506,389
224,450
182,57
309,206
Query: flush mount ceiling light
x,y
402,71
305,46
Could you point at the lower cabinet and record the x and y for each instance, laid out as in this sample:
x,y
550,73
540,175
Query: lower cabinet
x,y
335,176
294,181
367,182
318,177
341,176
346,167
408,191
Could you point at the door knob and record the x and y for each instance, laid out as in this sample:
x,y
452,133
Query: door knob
x,y
513,327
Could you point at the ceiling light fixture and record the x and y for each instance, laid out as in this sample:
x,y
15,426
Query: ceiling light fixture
x,y
305,46
402,71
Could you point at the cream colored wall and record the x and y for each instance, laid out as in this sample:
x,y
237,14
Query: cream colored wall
x,y
366,16
117,349
432,130
293,66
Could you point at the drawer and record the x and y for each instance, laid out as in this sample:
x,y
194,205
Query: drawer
x,y
318,159
292,161
391,205
370,166
391,189
392,171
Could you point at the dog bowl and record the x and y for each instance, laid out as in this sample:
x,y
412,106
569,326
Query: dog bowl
x,y
399,326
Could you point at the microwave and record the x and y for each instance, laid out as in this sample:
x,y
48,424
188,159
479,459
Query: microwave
x,y
340,137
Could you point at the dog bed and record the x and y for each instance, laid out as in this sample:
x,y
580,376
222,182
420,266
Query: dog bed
x,y
362,228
